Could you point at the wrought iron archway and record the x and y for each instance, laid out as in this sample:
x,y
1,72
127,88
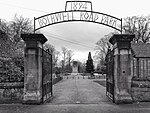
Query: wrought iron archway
x,y
78,11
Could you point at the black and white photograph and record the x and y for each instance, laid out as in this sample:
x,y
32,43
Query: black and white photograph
x,y
74,56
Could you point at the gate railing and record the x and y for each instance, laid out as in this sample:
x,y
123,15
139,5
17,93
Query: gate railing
x,y
46,75
110,74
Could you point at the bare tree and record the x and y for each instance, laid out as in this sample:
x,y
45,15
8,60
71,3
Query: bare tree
x,y
138,25
4,26
6,46
54,52
19,25
102,46
13,30
64,57
50,47
11,44
56,58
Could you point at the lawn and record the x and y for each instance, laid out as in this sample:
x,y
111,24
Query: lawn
x,y
103,83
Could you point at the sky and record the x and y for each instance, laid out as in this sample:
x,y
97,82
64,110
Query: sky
x,y
79,37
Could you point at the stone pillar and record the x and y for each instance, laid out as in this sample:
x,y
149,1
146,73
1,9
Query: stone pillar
x,y
33,68
122,67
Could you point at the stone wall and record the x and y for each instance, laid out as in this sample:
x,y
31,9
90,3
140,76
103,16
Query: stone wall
x,y
11,80
140,90
11,92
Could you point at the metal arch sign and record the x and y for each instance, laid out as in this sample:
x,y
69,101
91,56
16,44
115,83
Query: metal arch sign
x,y
78,11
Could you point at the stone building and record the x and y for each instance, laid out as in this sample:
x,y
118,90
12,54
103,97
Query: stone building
x,y
128,70
140,63
140,72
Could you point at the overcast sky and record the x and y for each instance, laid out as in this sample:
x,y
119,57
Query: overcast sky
x,y
77,36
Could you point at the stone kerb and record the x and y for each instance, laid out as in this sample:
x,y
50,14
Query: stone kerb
x,y
33,68
122,67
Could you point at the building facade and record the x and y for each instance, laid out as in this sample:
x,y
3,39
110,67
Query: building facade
x,y
140,63
140,72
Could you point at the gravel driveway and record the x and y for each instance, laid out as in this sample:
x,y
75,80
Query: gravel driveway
x,y
85,91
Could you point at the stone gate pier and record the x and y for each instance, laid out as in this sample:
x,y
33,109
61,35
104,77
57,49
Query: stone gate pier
x,y
33,68
122,67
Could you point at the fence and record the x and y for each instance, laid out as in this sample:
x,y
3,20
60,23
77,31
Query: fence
x,y
110,74
80,76
46,75
75,77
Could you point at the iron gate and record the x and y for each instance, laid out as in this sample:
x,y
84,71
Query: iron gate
x,y
110,74
46,75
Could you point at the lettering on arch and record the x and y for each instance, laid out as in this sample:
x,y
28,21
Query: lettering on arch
x,y
78,14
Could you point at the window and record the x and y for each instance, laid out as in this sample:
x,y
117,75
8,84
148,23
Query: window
x,y
145,68
148,67
134,67
141,68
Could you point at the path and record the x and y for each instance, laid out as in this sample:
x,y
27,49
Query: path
x,y
69,93
74,90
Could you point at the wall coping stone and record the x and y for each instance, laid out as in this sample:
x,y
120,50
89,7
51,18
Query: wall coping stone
x,y
34,37
121,38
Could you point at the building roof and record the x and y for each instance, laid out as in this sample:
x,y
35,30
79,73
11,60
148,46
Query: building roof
x,y
141,50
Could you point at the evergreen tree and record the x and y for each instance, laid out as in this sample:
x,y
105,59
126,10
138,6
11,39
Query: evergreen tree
x,y
89,64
